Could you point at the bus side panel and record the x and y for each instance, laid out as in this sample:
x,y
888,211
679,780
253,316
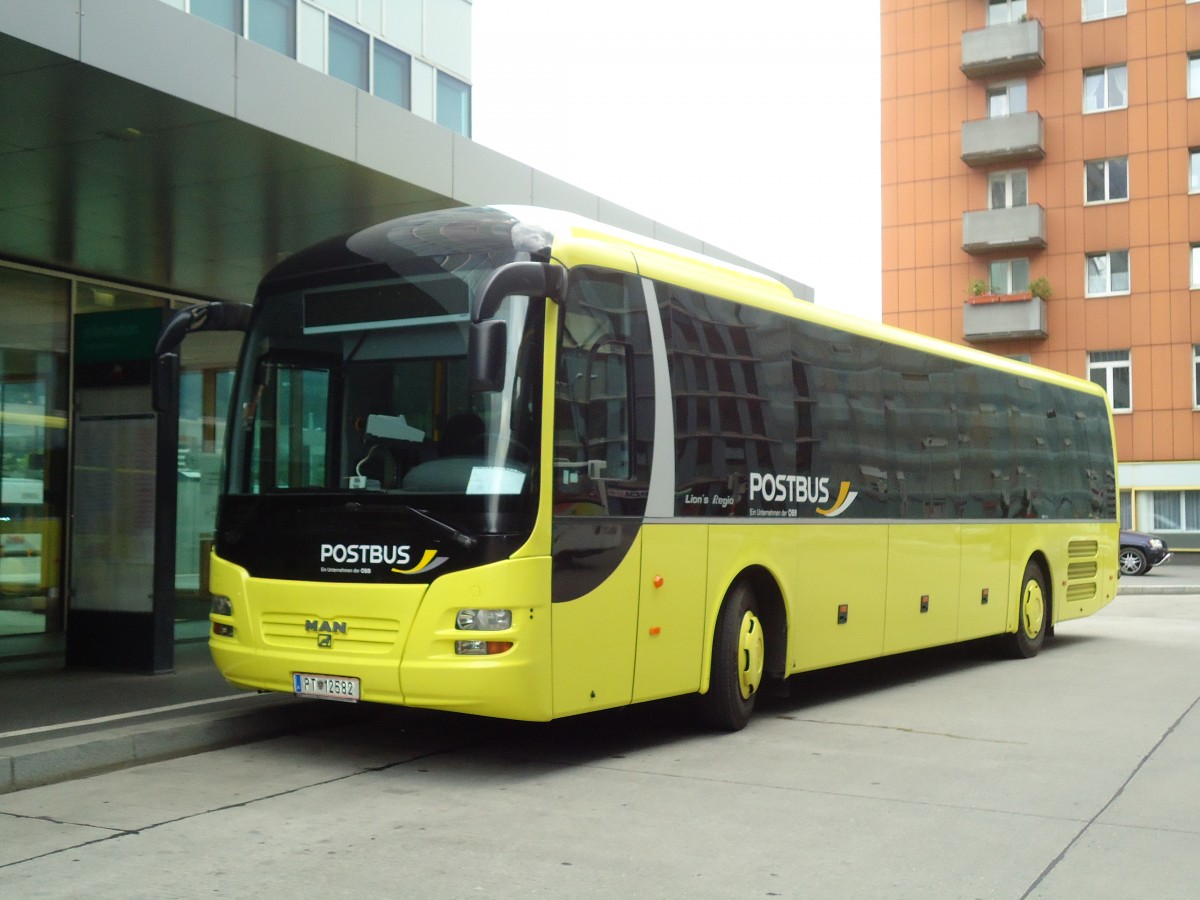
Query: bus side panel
x,y
986,582
924,563
836,565
1083,566
670,632
593,641
514,684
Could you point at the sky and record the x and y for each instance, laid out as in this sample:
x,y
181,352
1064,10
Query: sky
x,y
752,125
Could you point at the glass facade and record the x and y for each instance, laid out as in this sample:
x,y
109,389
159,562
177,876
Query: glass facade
x,y
42,379
34,312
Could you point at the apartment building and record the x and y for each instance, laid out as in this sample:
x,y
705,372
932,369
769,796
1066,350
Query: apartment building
x,y
1041,200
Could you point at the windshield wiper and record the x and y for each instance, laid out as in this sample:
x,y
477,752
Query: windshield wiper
x,y
461,538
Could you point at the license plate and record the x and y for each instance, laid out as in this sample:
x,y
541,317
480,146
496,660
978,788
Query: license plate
x,y
327,687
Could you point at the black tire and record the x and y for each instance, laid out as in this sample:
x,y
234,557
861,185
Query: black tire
x,y
1132,561
738,658
1033,615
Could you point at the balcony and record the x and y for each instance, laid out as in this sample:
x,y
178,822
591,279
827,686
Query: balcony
x,y
1004,317
1003,49
1017,227
1003,139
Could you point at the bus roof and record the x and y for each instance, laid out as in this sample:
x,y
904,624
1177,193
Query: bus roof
x,y
574,236
573,239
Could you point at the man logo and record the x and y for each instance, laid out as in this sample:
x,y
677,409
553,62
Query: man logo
x,y
324,630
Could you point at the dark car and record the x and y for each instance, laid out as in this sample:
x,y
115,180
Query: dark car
x,y
1141,552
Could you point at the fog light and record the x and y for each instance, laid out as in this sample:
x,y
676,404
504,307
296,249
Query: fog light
x,y
221,606
483,620
221,630
481,648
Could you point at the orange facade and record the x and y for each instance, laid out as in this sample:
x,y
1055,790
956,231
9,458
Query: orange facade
x,y
1120,270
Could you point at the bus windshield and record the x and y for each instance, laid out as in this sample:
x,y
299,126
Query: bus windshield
x,y
361,390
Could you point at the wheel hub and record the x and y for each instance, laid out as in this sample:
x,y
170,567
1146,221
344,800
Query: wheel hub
x,y
1033,609
751,655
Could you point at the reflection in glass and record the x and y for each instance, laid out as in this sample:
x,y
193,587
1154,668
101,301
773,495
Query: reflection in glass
x,y
33,441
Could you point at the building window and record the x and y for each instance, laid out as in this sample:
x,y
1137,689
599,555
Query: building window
x,y
1195,376
1008,189
1106,88
1112,371
1106,180
1006,99
1195,266
1001,12
1168,510
272,23
453,104
393,75
1108,273
1008,276
1194,171
1193,75
349,50
1102,9
226,13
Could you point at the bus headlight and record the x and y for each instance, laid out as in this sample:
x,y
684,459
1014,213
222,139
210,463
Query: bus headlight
x,y
481,648
484,620
221,606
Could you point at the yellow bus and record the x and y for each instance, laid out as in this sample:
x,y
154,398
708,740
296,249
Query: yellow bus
x,y
512,462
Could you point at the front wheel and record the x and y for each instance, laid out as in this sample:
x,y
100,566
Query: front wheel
x,y
1133,561
738,659
1033,616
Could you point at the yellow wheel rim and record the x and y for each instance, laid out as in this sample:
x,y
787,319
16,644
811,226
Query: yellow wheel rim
x,y
751,654
1033,609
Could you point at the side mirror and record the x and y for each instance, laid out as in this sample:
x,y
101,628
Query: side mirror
x,y
487,345
164,385
532,279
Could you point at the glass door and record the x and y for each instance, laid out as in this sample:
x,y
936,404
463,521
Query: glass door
x,y
205,383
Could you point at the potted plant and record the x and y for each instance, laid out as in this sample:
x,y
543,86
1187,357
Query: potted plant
x,y
1040,288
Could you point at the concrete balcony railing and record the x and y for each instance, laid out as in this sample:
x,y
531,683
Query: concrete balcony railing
x,y
1003,49
1017,227
1004,317
1003,139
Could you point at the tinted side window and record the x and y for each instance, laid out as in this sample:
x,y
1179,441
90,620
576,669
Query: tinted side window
x,y
603,415
735,412
781,417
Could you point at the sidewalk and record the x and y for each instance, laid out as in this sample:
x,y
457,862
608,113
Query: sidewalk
x,y
57,724
1179,575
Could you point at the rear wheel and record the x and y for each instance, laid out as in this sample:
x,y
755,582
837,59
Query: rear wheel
x,y
1033,615
738,658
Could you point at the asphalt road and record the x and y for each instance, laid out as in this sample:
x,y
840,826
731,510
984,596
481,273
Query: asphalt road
x,y
942,774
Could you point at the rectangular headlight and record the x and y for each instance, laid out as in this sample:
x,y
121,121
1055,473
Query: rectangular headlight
x,y
483,620
221,606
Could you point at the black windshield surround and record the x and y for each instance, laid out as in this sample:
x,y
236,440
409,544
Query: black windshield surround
x,y
356,450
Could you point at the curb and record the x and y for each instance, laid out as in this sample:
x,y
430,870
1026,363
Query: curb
x,y
1158,589
75,756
